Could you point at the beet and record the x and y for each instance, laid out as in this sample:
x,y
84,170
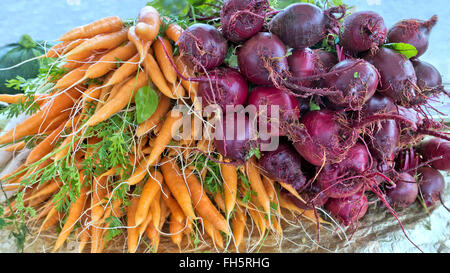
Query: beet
x,y
414,32
355,163
436,147
429,80
362,31
283,164
405,191
203,45
431,185
326,60
241,19
384,142
288,106
302,25
324,140
356,79
262,59
303,63
225,86
397,76
378,104
348,210
234,137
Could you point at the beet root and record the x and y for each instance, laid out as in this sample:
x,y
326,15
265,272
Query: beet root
x,y
434,148
362,31
203,46
414,32
348,210
405,191
431,184
241,20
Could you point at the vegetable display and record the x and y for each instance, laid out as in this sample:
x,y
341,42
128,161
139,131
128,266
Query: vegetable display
x,y
197,125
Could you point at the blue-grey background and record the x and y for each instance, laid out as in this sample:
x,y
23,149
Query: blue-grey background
x,y
48,19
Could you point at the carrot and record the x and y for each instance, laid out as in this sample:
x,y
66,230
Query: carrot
x,y
150,190
14,147
177,186
105,25
46,190
176,231
56,50
76,208
153,234
124,97
157,77
133,235
213,233
99,191
116,88
173,206
73,77
50,220
110,60
172,123
124,71
141,46
187,72
163,60
72,45
173,32
229,175
155,209
50,110
155,118
84,235
308,214
103,41
149,15
203,206
138,174
92,93
18,98
257,185
238,223
146,32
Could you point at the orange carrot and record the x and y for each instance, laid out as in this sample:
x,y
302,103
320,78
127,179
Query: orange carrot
x,y
172,123
51,219
174,180
50,110
213,233
92,93
14,147
155,118
56,50
124,71
133,235
124,97
151,188
46,190
72,45
73,77
256,183
176,231
238,223
229,175
18,98
99,191
146,32
138,174
164,61
110,60
203,206
141,46
76,208
103,41
173,32
105,25
172,204
157,77
187,72
149,15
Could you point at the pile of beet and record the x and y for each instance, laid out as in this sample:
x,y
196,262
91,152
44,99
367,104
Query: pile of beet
x,y
354,113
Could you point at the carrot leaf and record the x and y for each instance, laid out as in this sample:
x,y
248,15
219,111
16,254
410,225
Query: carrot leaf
x,y
146,103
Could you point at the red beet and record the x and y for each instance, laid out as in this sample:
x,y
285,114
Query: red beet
x,y
431,184
203,45
405,191
429,79
356,80
324,140
241,19
225,87
434,148
384,142
414,32
303,63
362,31
334,179
326,60
378,104
262,59
283,164
234,137
348,210
264,98
302,25
397,76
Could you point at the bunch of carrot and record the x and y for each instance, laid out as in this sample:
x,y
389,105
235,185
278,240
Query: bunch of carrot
x,y
166,191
